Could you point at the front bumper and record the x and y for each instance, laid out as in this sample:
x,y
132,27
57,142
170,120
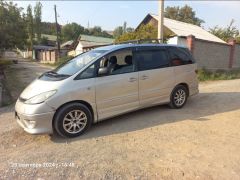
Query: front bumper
x,y
35,123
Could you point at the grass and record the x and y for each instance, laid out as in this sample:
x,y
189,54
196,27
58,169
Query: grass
x,y
205,75
11,83
4,62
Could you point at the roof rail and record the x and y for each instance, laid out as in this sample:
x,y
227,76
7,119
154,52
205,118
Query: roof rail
x,y
141,41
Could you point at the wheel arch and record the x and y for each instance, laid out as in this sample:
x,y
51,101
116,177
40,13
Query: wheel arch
x,y
183,84
70,102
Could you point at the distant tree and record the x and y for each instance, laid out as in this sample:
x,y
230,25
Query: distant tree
x,y
184,14
86,31
129,29
106,34
95,31
143,32
44,41
29,22
38,20
72,31
124,27
238,39
226,33
49,28
12,26
118,31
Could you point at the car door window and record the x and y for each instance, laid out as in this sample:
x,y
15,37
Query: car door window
x,y
87,73
119,62
180,56
152,59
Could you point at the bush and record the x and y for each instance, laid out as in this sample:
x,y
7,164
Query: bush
x,y
205,75
4,62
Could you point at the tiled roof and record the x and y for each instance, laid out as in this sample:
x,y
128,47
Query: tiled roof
x,y
96,39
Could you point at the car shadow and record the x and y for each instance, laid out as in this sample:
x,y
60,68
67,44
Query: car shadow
x,y
196,109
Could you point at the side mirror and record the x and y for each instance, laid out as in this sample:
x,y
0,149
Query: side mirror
x,y
102,71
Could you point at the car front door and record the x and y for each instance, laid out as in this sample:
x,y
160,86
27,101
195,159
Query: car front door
x,y
156,77
117,91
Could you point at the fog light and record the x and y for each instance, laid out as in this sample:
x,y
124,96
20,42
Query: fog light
x,y
31,124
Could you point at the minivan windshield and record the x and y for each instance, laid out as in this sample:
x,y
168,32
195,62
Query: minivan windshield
x,y
73,66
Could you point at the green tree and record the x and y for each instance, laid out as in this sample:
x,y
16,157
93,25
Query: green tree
x,y
124,27
129,29
238,39
184,14
95,31
118,31
71,31
29,21
226,33
12,26
44,41
143,32
49,28
38,20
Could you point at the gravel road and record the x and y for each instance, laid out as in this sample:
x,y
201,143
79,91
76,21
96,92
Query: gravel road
x,y
200,141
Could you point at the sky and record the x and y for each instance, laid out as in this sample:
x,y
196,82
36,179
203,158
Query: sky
x,y
110,14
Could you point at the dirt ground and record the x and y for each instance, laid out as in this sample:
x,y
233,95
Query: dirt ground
x,y
200,141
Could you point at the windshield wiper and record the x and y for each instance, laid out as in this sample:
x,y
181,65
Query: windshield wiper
x,y
55,74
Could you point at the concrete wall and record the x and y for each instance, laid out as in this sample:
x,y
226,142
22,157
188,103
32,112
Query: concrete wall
x,y
236,59
211,55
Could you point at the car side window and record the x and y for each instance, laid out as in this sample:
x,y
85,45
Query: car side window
x,y
87,73
180,56
152,59
119,62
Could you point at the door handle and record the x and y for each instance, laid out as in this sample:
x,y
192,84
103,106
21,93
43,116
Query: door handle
x,y
132,79
144,77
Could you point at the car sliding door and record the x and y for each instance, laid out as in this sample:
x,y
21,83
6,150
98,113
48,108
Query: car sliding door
x,y
156,77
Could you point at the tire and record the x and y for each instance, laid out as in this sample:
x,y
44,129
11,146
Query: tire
x,y
178,97
72,120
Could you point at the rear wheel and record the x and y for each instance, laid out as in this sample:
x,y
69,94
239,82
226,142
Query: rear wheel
x,y
72,120
179,97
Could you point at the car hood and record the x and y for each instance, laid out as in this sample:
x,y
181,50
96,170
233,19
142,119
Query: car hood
x,y
38,87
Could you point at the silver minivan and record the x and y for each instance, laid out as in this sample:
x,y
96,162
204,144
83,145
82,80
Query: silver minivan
x,y
106,82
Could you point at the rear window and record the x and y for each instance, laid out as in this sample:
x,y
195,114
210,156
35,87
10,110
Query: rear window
x,y
152,59
180,56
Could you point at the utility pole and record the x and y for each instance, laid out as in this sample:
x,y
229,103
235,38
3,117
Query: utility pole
x,y
57,30
160,19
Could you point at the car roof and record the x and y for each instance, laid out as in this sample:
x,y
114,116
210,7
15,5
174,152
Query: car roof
x,y
121,46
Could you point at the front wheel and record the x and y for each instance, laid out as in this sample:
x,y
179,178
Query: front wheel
x,y
179,97
72,120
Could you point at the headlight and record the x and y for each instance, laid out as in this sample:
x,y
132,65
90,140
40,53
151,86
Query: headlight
x,y
40,97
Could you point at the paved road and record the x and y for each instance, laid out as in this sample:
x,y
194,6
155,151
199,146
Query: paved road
x,y
200,141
